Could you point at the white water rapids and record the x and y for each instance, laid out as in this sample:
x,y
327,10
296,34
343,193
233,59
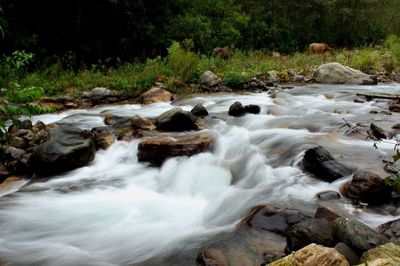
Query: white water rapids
x,y
117,211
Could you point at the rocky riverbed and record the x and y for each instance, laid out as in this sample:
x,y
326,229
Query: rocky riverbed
x,y
211,179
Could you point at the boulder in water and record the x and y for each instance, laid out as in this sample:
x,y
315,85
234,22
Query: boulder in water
x,y
335,73
328,195
367,187
142,123
319,162
176,120
199,110
103,137
68,148
157,149
252,109
236,109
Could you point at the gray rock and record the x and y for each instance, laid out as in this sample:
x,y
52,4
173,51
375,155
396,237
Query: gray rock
x,y
176,120
367,187
391,230
317,231
319,162
68,148
328,195
357,235
236,109
348,253
335,73
209,79
199,110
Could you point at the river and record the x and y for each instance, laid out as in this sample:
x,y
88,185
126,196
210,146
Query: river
x,y
117,211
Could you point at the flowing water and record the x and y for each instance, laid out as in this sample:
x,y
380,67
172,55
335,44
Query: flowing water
x,y
117,211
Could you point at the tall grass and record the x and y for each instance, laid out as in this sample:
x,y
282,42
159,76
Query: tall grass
x,y
182,67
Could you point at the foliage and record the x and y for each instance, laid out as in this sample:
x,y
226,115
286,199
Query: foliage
x,y
118,31
14,65
366,60
235,80
182,62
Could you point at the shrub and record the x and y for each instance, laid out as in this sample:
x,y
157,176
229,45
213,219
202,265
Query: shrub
x,y
183,63
235,80
366,61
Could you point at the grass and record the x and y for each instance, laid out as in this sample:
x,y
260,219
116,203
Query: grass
x,y
182,67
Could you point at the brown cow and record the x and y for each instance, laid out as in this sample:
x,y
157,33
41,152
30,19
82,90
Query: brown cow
x,y
223,52
321,48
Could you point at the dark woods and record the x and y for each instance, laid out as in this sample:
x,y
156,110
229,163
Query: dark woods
x,y
84,31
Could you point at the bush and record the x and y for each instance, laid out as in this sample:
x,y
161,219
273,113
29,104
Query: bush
x,y
235,80
183,63
366,61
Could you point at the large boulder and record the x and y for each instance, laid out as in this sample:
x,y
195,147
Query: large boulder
x,y
68,148
209,79
391,230
385,255
274,219
367,187
318,231
356,234
155,94
176,120
319,162
236,109
335,73
157,149
199,110
313,255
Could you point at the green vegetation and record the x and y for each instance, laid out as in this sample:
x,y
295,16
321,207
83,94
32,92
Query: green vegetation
x,y
179,68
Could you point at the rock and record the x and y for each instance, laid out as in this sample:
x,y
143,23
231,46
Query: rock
x,y
236,109
335,73
308,78
377,132
176,120
19,143
41,137
274,219
157,149
39,125
348,253
209,79
98,92
394,107
199,110
212,257
367,187
332,209
392,167
25,124
273,76
11,153
356,234
68,148
319,162
328,195
313,255
391,230
103,137
155,94
117,121
298,78
140,122
318,231
252,109
384,255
